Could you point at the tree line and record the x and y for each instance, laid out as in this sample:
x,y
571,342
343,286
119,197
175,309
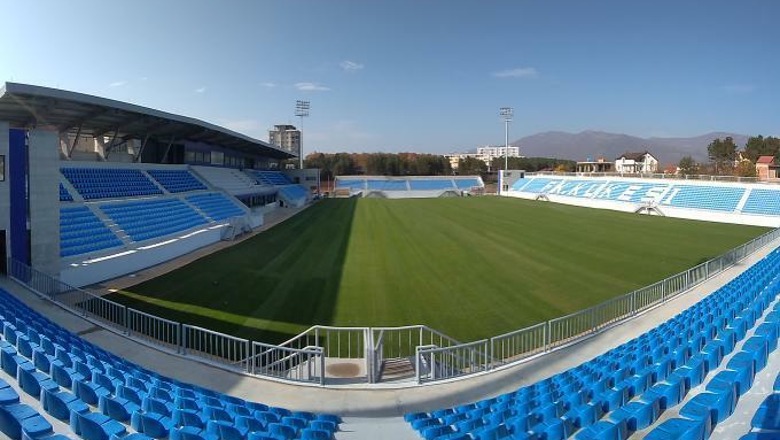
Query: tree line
x,y
378,164
726,158
473,166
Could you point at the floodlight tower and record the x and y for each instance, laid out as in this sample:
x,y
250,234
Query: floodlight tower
x,y
301,111
506,113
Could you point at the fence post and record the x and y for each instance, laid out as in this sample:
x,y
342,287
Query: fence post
x,y
248,355
547,336
127,321
322,367
182,339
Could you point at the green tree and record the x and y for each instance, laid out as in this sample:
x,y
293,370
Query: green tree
x,y
471,166
722,153
761,146
745,169
688,166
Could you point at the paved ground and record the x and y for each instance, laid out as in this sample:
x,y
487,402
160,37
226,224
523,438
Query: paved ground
x,y
361,405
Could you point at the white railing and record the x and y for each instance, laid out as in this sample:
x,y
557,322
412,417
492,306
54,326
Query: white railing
x,y
434,355
298,364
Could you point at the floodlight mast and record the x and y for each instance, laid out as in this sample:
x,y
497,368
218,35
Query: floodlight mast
x,y
506,113
301,111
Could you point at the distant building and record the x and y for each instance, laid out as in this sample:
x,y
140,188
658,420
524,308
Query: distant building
x,y
599,165
485,154
766,168
286,137
636,163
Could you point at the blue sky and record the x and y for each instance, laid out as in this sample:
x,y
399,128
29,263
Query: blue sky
x,y
414,75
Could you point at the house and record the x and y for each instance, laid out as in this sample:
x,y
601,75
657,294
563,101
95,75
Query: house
x,y
636,163
766,168
600,165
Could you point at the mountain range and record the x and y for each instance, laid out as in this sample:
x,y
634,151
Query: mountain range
x,y
595,144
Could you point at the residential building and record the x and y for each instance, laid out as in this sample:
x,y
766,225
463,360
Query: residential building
x,y
286,137
766,168
599,165
636,163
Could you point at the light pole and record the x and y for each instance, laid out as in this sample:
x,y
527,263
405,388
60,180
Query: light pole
x,y
301,111
506,113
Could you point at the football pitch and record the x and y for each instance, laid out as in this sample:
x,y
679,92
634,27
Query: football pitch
x,y
469,267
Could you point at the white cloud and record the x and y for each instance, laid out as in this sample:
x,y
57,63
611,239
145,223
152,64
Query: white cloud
x,y
269,85
311,87
117,83
739,88
520,72
351,66
200,90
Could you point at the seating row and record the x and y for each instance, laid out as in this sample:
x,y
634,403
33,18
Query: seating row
x,y
145,219
709,197
408,184
81,231
215,205
101,183
626,388
102,396
176,181
270,177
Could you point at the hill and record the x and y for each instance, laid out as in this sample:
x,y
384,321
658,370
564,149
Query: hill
x,y
579,146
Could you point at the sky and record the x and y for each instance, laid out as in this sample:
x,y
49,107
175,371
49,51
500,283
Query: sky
x,y
413,75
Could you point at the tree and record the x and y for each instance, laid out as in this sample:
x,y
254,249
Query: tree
x,y
688,166
760,146
745,169
471,166
722,153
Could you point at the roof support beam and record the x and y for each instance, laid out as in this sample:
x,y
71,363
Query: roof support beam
x,y
75,141
137,157
107,150
168,150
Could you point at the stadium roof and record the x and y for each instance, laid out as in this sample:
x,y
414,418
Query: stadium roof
x,y
24,105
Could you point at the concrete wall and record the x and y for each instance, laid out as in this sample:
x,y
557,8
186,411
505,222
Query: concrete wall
x,y
101,269
44,179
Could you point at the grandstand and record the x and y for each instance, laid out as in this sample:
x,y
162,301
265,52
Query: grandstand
x,y
675,359
410,186
157,187
742,203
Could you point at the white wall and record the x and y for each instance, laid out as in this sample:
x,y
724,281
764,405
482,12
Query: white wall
x,y
91,272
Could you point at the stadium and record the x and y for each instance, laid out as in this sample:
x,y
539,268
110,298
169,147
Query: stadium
x,y
162,277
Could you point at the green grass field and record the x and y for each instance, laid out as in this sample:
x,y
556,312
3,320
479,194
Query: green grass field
x,y
470,267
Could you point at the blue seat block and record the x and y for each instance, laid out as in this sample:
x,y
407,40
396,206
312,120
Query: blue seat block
x,y
190,433
61,404
95,426
680,429
31,381
759,348
720,405
604,430
151,424
640,414
316,434
497,432
117,408
18,418
8,394
768,415
742,363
